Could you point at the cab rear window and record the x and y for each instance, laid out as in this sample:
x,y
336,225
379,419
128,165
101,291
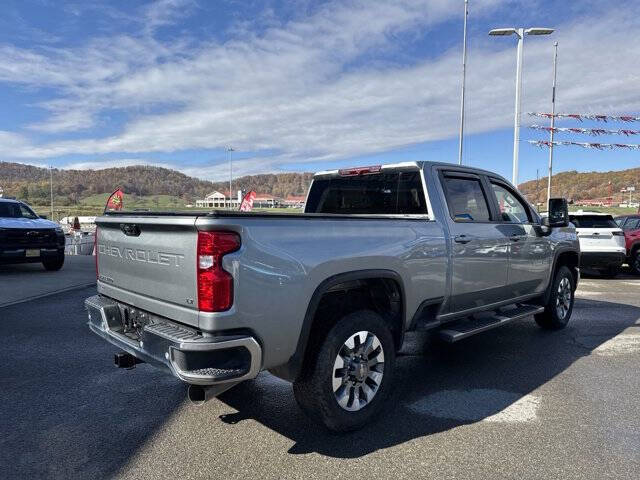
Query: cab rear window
x,y
593,221
394,193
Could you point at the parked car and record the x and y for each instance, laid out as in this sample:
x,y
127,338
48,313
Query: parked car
x,y
324,298
602,244
630,225
27,238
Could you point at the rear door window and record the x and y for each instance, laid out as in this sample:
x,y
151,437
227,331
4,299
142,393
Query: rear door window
x,y
466,199
393,193
593,221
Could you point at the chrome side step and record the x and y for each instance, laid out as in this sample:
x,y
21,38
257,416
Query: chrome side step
x,y
460,329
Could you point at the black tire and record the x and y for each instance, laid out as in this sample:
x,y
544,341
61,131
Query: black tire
x,y
53,263
611,272
554,317
314,391
634,262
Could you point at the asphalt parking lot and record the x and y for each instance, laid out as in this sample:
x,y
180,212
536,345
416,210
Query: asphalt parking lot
x,y
513,403
30,280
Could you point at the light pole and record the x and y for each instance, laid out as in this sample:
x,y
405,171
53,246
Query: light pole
x,y
464,74
229,152
520,33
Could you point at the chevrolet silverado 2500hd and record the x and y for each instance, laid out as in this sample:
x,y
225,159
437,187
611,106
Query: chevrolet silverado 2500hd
x,y
324,298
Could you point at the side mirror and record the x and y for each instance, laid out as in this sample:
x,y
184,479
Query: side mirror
x,y
558,213
44,217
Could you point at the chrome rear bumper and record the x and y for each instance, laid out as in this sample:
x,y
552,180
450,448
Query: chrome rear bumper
x,y
187,354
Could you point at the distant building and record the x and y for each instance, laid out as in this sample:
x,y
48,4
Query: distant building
x,y
294,201
220,200
264,200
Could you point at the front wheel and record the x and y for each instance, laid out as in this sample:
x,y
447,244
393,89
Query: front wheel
x,y
558,310
351,374
634,263
53,263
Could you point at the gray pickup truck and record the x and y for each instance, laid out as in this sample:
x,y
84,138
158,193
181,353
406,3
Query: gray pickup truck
x,y
324,298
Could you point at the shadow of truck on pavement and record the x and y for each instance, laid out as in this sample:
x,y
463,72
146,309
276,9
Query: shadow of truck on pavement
x,y
447,386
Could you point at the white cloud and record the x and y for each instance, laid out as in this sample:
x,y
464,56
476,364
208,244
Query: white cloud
x,y
302,89
166,12
112,163
13,142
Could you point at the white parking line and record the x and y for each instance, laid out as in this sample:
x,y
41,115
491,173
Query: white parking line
x,y
487,405
623,344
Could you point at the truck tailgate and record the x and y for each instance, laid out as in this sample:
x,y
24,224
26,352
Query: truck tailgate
x,y
149,257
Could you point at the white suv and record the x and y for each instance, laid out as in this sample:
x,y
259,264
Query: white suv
x,y
602,243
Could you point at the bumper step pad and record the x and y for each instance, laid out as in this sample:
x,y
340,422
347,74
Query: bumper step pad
x,y
189,355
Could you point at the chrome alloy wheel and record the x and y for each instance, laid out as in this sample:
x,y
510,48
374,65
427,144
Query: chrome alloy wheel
x,y
358,371
563,299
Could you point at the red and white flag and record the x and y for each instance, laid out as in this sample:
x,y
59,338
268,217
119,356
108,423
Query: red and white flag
x,y
247,202
115,201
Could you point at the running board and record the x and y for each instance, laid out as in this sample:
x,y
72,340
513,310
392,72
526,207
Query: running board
x,y
467,327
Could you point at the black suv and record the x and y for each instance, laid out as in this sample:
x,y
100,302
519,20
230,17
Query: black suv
x,y
27,238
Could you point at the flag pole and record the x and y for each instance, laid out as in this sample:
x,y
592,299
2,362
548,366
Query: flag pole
x,y
553,118
464,75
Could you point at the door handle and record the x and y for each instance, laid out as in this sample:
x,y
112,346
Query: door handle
x,y
461,239
514,237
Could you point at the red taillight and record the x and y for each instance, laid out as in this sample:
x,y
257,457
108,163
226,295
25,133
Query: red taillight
x,y
215,285
352,172
95,250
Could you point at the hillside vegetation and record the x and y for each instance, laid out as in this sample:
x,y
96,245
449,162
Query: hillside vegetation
x,y
584,185
155,185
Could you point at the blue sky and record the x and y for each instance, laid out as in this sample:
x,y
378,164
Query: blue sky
x,y
304,85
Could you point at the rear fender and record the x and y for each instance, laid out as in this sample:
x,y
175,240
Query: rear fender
x,y
292,369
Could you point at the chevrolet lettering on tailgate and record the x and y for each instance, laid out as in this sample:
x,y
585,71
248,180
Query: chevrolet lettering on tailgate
x,y
141,255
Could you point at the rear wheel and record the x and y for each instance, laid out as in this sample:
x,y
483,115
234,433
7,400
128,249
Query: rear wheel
x,y
53,263
558,310
350,376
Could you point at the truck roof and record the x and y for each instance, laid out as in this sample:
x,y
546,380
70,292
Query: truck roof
x,y
414,164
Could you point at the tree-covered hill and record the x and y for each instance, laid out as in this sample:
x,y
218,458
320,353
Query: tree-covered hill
x,y
583,185
31,183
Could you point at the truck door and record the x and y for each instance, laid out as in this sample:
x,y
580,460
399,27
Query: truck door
x,y
529,252
480,251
